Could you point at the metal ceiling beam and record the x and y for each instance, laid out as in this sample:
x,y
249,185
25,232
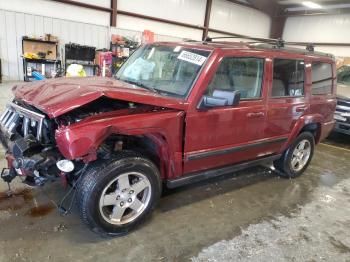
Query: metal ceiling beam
x,y
277,27
114,4
207,19
89,6
242,3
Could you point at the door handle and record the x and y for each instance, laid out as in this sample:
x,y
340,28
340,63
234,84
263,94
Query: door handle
x,y
256,114
301,108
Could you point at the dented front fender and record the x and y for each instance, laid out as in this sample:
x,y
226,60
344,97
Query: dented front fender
x,y
81,140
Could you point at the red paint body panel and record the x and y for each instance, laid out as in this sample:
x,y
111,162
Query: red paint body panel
x,y
81,140
181,130
224,127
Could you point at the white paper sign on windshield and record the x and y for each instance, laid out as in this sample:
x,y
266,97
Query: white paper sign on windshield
x,y
192,58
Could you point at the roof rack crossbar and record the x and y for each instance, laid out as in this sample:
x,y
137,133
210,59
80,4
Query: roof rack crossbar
x,y
279,43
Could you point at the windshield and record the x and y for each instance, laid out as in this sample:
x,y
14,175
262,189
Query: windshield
x,y
167,70
343,75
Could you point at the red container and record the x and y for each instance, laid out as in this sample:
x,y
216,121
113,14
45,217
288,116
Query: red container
x,y
105,61
105,56
147,36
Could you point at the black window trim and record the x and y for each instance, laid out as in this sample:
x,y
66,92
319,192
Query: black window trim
x,y
279,97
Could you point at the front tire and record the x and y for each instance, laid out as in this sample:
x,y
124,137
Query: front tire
x,y
297,157
115,196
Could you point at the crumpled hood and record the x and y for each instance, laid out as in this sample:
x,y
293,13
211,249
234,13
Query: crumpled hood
x,y
61,95
343,91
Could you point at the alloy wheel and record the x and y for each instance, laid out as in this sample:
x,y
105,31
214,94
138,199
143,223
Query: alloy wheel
x,y
125,198
301,155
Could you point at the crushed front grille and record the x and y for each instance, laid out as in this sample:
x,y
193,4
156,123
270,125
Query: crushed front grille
x,y
16,117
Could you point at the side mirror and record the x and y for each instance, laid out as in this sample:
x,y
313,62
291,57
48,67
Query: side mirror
x,y
221,98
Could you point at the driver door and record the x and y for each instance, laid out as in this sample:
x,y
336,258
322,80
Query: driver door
x,y
222,135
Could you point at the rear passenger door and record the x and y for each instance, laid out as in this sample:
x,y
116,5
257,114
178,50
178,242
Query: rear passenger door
x,y
287,100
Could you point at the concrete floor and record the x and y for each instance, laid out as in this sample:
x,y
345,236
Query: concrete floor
x,y
251,215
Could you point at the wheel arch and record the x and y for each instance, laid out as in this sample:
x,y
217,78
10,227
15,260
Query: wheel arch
x,y
313,128
153,146
310,123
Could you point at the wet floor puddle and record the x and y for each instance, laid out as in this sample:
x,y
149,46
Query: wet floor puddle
x,y
328,179
19,198
16,199
41,210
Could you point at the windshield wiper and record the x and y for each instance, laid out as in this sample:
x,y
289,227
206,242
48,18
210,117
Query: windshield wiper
x,y
139,84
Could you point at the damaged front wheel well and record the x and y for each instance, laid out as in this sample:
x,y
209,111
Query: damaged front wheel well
x,y
141,144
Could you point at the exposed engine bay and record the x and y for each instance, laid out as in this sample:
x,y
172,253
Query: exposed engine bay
x,y
101,105
29,137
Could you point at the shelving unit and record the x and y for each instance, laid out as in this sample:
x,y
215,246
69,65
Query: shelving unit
x,y
56,65
119,57
81,55
85,64
47,63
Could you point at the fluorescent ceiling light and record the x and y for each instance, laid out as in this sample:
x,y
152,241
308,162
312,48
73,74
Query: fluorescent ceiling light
x,y
311,5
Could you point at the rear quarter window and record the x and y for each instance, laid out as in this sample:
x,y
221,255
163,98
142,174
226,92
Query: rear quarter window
x,y
322,78
288,78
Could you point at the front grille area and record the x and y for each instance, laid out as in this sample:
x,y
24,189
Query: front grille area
x,y
19,119
342,111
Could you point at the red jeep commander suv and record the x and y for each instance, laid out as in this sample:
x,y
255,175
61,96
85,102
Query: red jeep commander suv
x,y
175,113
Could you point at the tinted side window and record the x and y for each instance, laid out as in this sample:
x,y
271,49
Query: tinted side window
x,y
288,78
321,78
239,73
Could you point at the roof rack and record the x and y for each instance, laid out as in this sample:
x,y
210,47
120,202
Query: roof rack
x,y
274,43
279,42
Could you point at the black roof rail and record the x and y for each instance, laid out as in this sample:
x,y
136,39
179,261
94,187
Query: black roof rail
x,y
210,39
276,43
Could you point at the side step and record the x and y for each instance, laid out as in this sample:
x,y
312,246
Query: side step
x,y
203,175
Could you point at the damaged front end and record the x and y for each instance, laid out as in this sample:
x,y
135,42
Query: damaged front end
x,y
28,137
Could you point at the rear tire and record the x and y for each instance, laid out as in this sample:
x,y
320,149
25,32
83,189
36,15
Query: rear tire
x,y
116,195
297,157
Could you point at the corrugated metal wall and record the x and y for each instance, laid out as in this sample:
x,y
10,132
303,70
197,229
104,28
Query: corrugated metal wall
x,y
239,19
14,25
224,16
90,27
321,28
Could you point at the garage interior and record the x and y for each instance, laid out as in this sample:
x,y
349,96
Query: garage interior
x,y
250,215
